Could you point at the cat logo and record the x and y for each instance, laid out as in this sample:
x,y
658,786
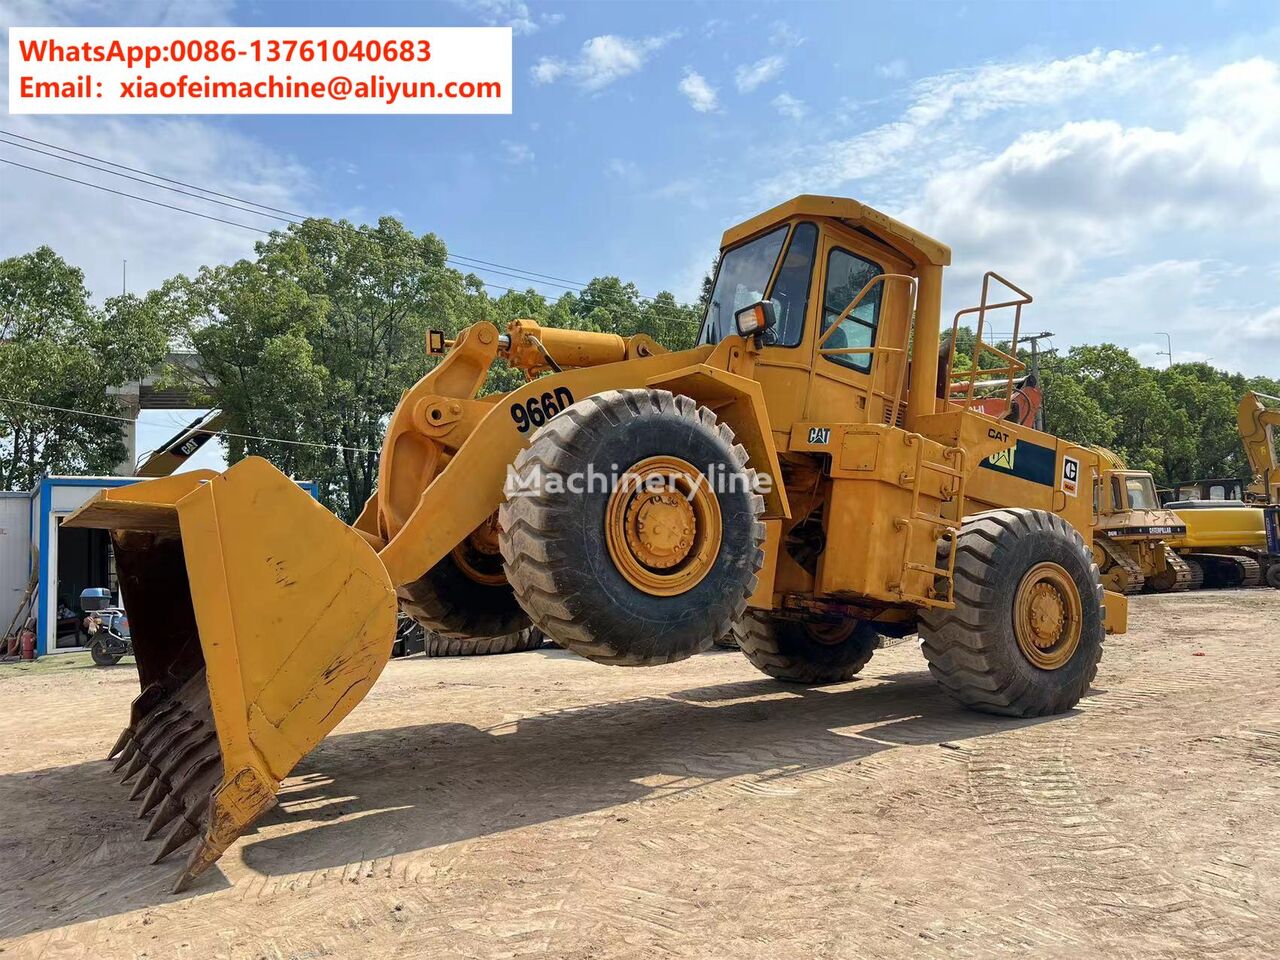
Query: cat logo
x,y
1070,476
819,434
1003,459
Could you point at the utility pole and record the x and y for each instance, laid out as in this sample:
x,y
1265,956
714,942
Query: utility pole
x,y
124,277
1035,370
1168,354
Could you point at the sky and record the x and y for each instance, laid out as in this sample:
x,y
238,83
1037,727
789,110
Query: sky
x,y
1120,161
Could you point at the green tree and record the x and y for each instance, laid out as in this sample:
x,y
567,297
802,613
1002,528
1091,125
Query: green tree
x,y
58,350
316,339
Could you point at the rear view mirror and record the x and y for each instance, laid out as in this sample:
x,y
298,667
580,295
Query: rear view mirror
x,y
754,320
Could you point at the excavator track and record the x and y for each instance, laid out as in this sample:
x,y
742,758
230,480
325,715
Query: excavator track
x,y
1120,572
1229,570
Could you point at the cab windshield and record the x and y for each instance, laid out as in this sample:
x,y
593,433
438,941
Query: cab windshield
x,y
1142,493
741,281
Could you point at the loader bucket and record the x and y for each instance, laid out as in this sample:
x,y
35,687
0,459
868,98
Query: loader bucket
x,y
259,620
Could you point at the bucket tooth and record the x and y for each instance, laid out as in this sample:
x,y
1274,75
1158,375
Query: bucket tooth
x,y
178,762
130,748
181,834
169,808
147,723
148,777
121,741
155,793
137,763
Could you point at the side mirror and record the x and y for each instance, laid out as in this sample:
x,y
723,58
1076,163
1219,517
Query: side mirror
x,y
755,320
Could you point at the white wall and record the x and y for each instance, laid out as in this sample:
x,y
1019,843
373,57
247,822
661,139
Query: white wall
x,y
15,552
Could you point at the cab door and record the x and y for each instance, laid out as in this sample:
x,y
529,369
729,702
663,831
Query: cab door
x,y
842,385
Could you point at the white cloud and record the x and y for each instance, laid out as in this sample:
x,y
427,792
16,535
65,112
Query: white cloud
x,y
1053,199
626,170
789,106
517,153
893,70
601,61
782,34
700,94
749,76
510,13
1039,170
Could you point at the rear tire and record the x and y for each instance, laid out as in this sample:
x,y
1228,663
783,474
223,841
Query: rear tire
x,y
576,558
528,639
446,601
1026,634
806,652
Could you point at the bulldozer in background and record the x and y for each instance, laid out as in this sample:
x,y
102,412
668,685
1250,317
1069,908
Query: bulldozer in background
x,y
808,475
1132,532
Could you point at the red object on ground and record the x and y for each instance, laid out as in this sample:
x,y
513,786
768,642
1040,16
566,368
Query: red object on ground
x,y
28,640
1198,653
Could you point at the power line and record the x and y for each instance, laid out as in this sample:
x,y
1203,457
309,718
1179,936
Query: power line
x,y
113,173
486,266
133,196
257,213
146,173
217,433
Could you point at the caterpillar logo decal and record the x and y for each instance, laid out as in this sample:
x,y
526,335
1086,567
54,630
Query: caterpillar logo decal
x,y
1025,460
1004,459
819,434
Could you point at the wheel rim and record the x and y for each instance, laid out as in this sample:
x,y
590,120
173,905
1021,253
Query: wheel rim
x,y
478,556
662,526
1047,616
831,634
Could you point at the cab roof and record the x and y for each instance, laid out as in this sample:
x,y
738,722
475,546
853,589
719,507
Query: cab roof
x,y
915,246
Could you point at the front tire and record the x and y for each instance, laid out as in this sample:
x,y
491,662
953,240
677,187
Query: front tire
x,y
809,653
1025,636
626,573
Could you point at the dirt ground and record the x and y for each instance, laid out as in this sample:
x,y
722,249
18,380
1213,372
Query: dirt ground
x,y
540,805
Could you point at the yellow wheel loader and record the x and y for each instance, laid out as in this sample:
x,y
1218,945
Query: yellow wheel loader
x,y
808,475
1131,532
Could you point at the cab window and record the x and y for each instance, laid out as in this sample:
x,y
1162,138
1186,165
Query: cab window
x,y
741,281
847,274
790,293
1142,493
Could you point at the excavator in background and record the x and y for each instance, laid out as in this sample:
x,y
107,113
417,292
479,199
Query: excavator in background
x,y
1228,540
807,474
1257,418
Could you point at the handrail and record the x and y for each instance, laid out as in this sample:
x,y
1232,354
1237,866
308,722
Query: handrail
x,y
898,396
1013,366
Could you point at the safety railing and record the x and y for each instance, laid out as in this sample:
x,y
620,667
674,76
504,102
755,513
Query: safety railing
x,y
961,384
897,399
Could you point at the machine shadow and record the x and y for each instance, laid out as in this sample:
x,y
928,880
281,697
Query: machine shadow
x,y
378,793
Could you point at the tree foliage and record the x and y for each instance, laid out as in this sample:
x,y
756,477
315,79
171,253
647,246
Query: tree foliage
x,y
58,350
